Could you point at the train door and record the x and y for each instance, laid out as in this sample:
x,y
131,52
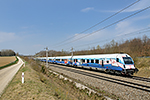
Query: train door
x,y
102,63
81,61
71,60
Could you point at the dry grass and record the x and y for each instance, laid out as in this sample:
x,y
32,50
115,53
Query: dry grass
x,y
33,88
6,60
143,72
143,65
40,86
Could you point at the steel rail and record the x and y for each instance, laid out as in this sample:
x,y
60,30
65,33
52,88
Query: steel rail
x,y
121,82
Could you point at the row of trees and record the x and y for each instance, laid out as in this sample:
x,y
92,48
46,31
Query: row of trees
x,y
52,53
7,53
136,47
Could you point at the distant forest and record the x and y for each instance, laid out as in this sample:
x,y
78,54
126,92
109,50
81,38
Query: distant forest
x,y
7,53
137,47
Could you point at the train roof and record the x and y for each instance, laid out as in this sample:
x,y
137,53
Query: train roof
x,y
90,56
95,56
100,56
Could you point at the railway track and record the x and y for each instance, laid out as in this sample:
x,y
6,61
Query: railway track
x,y
133,84
141,78
131,77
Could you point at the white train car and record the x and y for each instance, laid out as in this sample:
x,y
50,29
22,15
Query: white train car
x,y
114,63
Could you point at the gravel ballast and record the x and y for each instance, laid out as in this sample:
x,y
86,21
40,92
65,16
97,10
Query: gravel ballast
x,y
121,91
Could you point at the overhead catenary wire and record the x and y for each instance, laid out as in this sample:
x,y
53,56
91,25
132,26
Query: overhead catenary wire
x,y
111,16
127,46
135,32
99,22
109,25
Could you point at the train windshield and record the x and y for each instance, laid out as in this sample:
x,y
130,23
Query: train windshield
x,y
127,60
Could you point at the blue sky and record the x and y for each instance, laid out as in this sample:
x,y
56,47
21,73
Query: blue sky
x,y
28,26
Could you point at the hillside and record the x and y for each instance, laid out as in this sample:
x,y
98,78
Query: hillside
x,y
40,84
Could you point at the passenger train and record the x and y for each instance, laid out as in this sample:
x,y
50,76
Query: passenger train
x,y
110,63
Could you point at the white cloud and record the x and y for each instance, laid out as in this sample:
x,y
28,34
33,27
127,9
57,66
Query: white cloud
x,y
141,17
88,37
122,25
4,36
140,5
130,25
125,27
88,42
87,9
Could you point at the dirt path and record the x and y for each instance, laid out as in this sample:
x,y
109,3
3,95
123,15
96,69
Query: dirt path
x,y
7,74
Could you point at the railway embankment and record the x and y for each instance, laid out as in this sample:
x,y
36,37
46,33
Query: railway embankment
x,y
41,84
143,65
122,87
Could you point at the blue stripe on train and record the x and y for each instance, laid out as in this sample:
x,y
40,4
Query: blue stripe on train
x,y
106,66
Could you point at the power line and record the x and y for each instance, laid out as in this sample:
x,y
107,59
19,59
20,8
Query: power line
x,y
101,21
135,32
112,24
136,44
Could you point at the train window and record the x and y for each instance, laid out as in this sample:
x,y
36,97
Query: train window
x,y
62,59
127,60
107,61
102,63
83,60
76,60
87,60
97,61
117,59
92,61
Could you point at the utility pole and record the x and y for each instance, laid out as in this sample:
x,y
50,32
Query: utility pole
x,y
72,52
72,55
46,57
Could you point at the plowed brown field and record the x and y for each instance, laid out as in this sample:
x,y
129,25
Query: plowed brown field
x,y
6,60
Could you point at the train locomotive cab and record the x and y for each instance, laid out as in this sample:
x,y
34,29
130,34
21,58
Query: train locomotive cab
x,y
129,67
